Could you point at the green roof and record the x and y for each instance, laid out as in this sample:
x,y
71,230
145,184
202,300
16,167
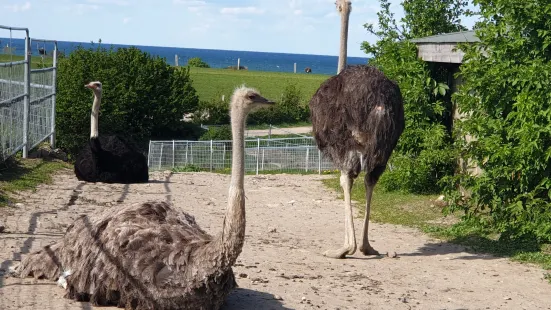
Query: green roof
x,y
453,37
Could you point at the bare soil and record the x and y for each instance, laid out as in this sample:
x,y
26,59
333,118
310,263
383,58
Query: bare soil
x,y
291,220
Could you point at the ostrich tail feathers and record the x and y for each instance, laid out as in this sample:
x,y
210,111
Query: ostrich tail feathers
x,y
43,264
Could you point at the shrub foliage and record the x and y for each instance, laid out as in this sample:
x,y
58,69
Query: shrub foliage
x,y
507,95
143,97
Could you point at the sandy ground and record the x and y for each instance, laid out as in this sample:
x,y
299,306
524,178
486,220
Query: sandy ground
x,y
291,220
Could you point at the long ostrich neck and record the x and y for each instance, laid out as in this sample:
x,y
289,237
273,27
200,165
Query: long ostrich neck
x,y
230,242
94,116
345,16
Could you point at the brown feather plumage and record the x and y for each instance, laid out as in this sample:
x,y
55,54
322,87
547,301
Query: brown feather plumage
x,y
106,257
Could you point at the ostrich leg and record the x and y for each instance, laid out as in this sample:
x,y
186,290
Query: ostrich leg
x,y
349,237
370,181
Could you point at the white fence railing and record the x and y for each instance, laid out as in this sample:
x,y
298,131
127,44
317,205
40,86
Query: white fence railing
x,y
261,155
27,98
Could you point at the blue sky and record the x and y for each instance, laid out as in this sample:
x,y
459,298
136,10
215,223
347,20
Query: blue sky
x,y
288,26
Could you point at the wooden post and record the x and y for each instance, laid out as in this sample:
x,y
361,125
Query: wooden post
x,y
319,161
238,63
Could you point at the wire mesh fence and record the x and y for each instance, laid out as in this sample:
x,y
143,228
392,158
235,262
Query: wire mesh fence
x,y
27,96
261,155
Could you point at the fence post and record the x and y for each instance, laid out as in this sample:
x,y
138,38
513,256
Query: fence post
x,y
211,151
295,67
307,157
319,161
270,132
187,145
161,155
54,92
191,153
27,100
173,153
176,60
224,156
257,153
263,150
238,63
149,154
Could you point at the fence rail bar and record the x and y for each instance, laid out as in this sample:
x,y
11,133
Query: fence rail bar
x,y
44,40
23,84
12,100
13,28
42,99
43,70
13,63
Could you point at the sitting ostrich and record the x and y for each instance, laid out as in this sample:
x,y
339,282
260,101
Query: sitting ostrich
x,y
109,159
150,255
358,111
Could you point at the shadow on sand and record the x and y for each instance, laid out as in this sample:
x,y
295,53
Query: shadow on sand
x,y
245,299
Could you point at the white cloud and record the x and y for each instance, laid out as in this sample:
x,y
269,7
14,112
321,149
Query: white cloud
x,y
19,8
126,20
242,10
297,12
113,2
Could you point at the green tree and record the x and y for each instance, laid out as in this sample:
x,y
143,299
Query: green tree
x,y
143,97
507,96
197,62
423,154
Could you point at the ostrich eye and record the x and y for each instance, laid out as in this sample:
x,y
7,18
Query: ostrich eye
x,y
252,97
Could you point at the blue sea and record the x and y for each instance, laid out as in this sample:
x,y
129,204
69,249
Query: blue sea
x,y
257,61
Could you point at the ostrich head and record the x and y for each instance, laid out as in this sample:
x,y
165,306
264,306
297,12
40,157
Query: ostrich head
x,y
94,86
343,4
248,99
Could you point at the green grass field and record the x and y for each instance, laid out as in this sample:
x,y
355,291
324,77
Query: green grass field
x,y
36,61
213,83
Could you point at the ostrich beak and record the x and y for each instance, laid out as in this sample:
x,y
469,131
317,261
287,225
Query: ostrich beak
x,y
90,86
262,100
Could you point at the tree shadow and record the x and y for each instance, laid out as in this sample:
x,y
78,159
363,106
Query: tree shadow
x,y
479,246
245,299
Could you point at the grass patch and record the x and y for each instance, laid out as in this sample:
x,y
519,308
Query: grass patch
x,y
211,84
25,174
36,61
419,211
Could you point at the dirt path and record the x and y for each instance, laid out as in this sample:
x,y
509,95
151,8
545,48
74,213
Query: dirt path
x,y
279,131
291,220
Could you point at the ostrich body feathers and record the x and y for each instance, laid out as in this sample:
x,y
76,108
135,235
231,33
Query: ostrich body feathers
x,y
111,159
358,110
143,256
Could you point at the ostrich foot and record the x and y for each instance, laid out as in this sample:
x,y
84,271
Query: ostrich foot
x,y
339,253
367,250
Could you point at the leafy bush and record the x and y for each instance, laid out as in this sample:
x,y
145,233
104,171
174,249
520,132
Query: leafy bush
x,y
424,153
197,62
217,133
290,109
507,95
143,97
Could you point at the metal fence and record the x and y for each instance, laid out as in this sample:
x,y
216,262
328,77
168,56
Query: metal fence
x,y
27,96
261,155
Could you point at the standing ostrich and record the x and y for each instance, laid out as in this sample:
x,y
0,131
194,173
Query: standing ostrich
x,y
358,111
150,255
109,159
